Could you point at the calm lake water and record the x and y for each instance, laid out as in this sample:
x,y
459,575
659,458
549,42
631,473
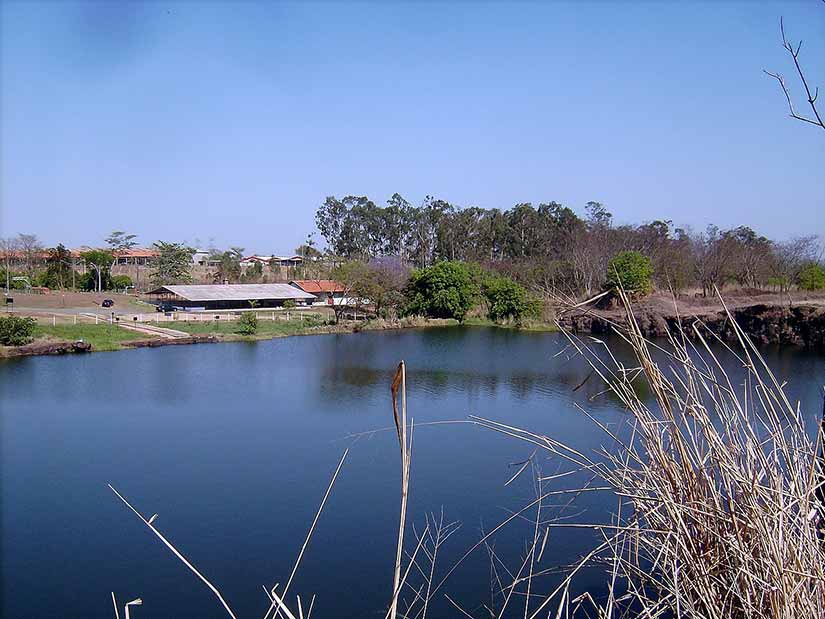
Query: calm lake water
x,y
233,446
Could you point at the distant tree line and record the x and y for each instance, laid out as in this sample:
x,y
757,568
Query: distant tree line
x,y
25,262
552,249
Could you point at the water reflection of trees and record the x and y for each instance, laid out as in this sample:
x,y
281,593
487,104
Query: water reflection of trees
x,y
558,378
494,362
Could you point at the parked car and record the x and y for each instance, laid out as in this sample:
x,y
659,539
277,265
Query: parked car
x,y
107,303
165,307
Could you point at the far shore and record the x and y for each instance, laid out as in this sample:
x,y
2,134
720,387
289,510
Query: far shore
x,y
63,339
795,319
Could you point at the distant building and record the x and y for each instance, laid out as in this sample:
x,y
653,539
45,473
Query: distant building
x,y
230,296
200,258
135,255
282,261
326,291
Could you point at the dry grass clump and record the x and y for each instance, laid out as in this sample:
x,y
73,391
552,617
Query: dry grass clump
x,y
718,478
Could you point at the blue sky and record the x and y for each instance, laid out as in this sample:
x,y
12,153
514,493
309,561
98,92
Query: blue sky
x,y
196,121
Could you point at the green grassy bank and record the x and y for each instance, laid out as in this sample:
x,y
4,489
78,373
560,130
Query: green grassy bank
x,y
231,329
107,337
102,337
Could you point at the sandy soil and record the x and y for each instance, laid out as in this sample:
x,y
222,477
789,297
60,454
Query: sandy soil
x,y
71,302
694,304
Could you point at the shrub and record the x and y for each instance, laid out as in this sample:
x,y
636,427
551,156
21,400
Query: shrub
x,y
88,281
120,282
444,290
631,271
777,282
507,299
289,304
248,323
13,284
811,277
16,330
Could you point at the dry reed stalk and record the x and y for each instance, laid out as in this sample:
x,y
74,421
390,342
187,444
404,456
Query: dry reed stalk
x,y
175,551
400,383
276,601
308,536
114,603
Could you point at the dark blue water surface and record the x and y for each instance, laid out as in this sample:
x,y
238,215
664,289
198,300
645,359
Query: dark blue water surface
x,y
233,446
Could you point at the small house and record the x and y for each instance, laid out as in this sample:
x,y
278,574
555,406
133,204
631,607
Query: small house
x,y
326,291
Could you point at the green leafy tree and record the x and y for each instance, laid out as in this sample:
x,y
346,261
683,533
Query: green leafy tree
x,y
16,330
248,323
119,242
229,267
98,263
353,276
444,290
811,277
384,285
121,282
508,300
254,273
90,281
631,271
58,273
308,249
173,264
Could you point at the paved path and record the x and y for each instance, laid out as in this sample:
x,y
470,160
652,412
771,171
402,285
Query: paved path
x,y
154,330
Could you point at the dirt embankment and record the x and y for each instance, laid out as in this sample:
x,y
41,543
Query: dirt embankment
x,y
44,348
771,322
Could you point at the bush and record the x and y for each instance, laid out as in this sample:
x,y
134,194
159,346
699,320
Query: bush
x,y
507,299
248,323
811,277
13,285
444,290
88,281
631,271
289,304
777,282
16,330
120,282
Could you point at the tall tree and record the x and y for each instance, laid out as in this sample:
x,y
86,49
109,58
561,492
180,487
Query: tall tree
x,y
330,219
713,251
98,261
118,242
59,268
9,250
30,249
229,266
173,264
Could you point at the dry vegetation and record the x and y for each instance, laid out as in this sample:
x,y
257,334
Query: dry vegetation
x,y
718,481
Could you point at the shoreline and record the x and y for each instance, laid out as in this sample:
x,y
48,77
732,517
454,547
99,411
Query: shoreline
x,y
800,324
51,346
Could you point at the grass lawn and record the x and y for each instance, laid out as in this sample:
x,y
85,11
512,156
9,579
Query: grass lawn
x,y
101,337
266,328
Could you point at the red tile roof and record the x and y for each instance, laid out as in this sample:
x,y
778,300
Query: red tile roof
x,y
137,252
315,286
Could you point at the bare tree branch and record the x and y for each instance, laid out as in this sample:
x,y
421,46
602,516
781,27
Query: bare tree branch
x,y
812,97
